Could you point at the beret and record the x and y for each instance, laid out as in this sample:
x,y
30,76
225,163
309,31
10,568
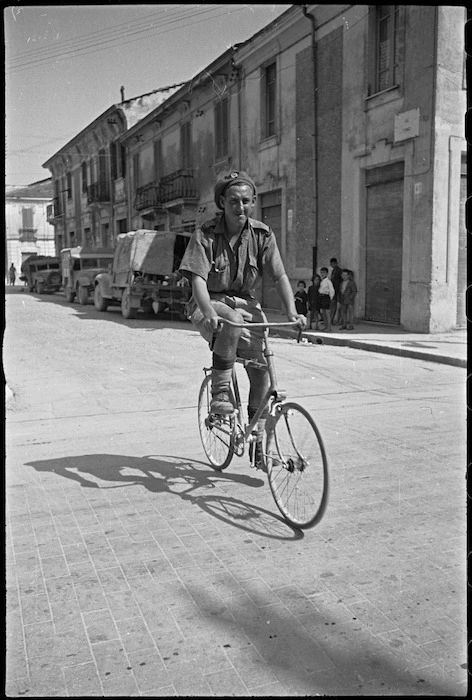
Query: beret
x,y
234,178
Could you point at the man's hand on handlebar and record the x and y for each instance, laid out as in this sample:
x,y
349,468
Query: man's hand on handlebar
x,y
299,318
211,322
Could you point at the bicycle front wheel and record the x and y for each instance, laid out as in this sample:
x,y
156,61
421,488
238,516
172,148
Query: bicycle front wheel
x,y
216,432
297,466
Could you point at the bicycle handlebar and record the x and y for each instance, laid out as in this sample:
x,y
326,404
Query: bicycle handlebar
x,y
267,324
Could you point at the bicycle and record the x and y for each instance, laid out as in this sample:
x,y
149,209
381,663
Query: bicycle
x,y
292,450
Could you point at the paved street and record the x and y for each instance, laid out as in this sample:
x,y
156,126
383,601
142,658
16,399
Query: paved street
x,y
135,569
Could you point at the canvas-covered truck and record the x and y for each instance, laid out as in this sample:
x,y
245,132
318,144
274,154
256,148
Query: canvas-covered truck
x,y
145,275
80,266
41,273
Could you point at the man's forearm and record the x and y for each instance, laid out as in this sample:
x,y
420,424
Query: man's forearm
x,y
201,295
285,293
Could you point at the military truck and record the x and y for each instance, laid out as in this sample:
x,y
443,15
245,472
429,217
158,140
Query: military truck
x,y
80,266
41,273
144,275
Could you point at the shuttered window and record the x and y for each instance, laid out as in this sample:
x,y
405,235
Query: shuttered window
x,y
83,169
269,101
386,48
113,160
221,129
136,170
27,217
158,170
186,150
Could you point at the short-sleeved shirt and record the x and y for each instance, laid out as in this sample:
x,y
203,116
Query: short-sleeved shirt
x,y
227,272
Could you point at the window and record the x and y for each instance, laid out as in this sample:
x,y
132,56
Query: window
x,y
386,48
186,145
102,166
158,170
69,186
105,235
113,160
27,217
117,160
136,171
269,100
84,176
221,129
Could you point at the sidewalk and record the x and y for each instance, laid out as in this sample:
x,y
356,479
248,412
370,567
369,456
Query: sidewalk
x,y
446,348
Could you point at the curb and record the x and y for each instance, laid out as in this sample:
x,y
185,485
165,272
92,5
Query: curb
x,y
373,347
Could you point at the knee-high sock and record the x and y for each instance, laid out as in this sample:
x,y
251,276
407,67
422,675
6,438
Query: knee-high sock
x,y
221,374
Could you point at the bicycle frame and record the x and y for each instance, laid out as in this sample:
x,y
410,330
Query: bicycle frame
x,y
273,395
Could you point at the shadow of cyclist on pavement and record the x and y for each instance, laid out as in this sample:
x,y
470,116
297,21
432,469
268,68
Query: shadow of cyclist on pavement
x,y
166,474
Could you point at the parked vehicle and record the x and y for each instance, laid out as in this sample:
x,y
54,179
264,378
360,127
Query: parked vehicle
x,y
145,275
80,266
42,273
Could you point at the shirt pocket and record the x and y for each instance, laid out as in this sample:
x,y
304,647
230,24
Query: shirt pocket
x,y
251,273
218,277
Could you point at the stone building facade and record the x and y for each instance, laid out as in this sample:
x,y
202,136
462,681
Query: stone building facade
x,y
27,230
350,118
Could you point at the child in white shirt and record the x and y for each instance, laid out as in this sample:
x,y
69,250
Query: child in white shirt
x,y
326,294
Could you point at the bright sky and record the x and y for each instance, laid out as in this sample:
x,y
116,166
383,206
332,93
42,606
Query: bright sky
x,y
65,64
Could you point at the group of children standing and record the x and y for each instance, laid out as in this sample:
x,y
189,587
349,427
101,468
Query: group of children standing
x,y
329,299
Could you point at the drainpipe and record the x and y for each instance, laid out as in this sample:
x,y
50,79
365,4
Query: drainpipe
x,y
315,135
239,81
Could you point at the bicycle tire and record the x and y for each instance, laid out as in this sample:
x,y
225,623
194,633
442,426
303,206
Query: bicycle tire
x,y
216,435
297,466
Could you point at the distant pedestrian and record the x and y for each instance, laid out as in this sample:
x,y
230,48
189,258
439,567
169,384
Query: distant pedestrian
x,y
314,301
12,274
336,279
347,295
301,298
326,296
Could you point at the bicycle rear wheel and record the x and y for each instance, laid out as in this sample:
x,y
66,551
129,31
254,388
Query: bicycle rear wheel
x,y
297,466
216,432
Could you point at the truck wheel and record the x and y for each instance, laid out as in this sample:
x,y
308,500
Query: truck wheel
x,y
127,310
69,294
83,296
40,287
101,304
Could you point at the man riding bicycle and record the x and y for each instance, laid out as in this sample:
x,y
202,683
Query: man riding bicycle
x,y
224,262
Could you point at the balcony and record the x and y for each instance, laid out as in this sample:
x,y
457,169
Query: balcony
x,y
53,210
27,235
98,192
147,197
177,185
176,188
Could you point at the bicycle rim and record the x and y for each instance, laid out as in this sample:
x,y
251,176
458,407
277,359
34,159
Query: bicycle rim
x,y
216,432
297,466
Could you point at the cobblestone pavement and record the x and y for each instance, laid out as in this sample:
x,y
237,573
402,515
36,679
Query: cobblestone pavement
x,y
134,569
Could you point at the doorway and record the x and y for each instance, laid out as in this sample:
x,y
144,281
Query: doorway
x,y
271,215
384,243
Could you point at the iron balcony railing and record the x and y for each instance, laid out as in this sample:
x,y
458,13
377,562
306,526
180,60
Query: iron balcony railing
x,y
147,197
98,192
177,185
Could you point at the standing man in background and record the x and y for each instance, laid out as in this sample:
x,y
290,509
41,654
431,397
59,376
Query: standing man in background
x,y
336,279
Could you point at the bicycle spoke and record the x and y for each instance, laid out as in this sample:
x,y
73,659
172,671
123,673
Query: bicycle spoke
x,y
216,436
298,474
